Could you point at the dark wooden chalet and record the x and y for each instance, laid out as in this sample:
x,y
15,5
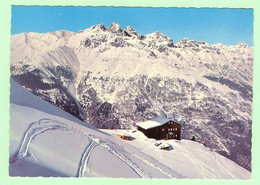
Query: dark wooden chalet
x,y
161,128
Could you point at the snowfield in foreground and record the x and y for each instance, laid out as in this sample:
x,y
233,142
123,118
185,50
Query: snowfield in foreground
x,y
46,141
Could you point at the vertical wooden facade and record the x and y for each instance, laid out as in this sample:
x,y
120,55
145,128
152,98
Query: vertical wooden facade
x,y
169,130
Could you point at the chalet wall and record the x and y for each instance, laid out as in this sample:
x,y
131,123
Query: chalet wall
x,y
162,132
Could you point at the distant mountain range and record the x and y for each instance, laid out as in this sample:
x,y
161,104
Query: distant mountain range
x,y
113,77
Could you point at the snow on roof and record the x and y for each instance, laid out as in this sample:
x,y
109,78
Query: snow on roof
x,y
155,122
123,134
149,124
161,119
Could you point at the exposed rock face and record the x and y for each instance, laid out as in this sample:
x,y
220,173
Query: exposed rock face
x,y
131,32
113,78
115,28
186,42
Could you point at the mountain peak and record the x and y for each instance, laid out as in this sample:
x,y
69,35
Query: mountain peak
x,y
158,36
242,44
98,27
115,28
202,43
186,42
186,38
131,31
130,28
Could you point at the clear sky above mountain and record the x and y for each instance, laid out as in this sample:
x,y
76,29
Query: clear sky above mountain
x,y
228,26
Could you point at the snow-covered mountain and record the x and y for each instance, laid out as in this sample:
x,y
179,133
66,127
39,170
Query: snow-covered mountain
x,y
46,141
114,77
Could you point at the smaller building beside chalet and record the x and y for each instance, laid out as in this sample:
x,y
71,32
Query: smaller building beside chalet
x,y
124,136
161,128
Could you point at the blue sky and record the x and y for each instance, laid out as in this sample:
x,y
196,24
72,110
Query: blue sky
x,y
228,26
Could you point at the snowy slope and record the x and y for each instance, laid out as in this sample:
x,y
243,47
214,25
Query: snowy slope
x,y
189,158
46,141
43,143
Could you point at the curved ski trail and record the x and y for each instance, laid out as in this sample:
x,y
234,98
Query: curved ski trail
x,y
127,161
85,158
98,142
43,125
32,131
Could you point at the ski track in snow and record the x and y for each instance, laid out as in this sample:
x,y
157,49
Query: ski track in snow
x,y
82,170
127,161
33,130
156,167
45,124
223,168
199,166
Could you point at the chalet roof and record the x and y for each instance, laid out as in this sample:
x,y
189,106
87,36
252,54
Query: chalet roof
x,y
155,122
